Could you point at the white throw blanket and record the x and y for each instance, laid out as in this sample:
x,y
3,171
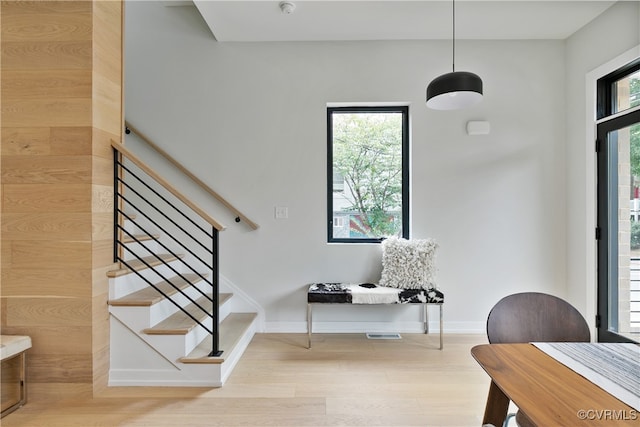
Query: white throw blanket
x,y
377,295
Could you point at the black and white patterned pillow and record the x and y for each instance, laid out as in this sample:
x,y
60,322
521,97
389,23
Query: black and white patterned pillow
x,y
408,264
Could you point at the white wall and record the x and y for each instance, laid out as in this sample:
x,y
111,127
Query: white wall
x,y
610,35
250,119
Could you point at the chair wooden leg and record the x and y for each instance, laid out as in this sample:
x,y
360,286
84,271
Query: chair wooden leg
x,y
523,421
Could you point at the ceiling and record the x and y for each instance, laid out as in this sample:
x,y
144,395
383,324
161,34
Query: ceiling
x,y
314,20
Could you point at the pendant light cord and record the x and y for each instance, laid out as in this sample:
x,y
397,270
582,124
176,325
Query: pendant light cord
x,y
453,56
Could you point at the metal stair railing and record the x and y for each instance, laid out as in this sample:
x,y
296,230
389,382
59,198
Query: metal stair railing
x,y
184,224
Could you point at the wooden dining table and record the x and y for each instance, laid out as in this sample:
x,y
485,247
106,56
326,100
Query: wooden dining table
x,y
546,391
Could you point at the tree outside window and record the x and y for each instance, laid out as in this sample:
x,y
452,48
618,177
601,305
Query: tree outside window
x,y
627,96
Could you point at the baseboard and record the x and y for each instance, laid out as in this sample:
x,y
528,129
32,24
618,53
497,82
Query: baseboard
x,y
363,327
189,376
157,383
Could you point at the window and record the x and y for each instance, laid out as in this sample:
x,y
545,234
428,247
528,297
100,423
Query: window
x,y
626,92
367,173
618,150
619,91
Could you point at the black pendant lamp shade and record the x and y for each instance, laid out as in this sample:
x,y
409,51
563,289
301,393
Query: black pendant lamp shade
x,y
455,90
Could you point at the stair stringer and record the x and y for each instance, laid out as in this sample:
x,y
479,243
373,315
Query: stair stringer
x,y
234,356
170,346
134,362
151,360
140,359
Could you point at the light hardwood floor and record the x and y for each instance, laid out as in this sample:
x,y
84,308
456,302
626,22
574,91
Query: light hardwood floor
x,y
344,380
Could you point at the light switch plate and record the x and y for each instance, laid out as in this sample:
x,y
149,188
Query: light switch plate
x,y
282,212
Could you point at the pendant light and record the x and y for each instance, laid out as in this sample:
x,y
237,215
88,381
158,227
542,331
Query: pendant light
x,y
455,90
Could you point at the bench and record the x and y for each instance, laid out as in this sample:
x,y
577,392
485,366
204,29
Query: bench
x,y
13,367
368,293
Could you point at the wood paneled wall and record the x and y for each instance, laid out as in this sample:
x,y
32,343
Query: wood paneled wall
x,y
61,104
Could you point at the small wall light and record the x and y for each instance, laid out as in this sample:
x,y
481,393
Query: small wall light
x,y
478,128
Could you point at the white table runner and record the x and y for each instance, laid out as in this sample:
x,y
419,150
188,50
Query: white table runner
x,y
614,367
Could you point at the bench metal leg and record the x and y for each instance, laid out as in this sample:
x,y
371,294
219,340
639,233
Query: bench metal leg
x,y
426,321
21,359
425,312
440,305
309,324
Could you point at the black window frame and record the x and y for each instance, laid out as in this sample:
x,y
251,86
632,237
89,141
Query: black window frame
x,y
606,98
608,120
404,110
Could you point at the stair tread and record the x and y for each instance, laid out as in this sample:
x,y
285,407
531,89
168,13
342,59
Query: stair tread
x,y
232,328
140,238
149,295
179,323
138,265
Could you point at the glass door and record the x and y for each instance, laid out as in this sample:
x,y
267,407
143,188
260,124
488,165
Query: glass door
x,y
619,228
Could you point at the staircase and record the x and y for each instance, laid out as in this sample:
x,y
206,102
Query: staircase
x,y
174,320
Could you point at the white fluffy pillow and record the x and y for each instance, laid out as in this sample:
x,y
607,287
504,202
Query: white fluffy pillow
x,y
408,264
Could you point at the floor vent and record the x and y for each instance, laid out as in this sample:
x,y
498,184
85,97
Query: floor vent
x,y
384,336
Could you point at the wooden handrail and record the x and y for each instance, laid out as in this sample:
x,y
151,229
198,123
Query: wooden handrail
x,y
204,186
135,160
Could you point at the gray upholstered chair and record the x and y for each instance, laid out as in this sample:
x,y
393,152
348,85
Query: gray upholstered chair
x,y
534,317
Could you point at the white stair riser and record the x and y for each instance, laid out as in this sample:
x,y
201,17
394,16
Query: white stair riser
x,y
165,308
225,309
199,265
141,317
142,249
174,347
129,283
132,228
